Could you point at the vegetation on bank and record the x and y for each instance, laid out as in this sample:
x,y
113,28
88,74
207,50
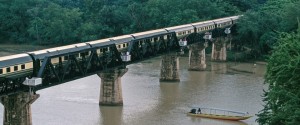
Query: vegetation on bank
x,y
270,30
260,28
282,100
62,22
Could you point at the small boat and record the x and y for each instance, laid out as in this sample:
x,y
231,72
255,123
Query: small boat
x,y
218,114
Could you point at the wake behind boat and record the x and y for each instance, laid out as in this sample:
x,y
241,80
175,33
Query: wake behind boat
x,y
218,114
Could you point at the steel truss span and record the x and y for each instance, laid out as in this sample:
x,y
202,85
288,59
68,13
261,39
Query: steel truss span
x,y
61,64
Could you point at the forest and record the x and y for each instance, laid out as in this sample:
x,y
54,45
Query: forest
x,y
63,22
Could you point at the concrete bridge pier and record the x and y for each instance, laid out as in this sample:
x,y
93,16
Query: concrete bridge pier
x,y
111,88
197,57
169,68
219,50
17,108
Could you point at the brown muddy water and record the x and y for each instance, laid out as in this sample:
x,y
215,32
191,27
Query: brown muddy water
x,y
232,86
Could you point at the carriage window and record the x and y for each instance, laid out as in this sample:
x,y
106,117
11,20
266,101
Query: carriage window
x,y
124,45
15,68
8,69
23,66
119,46
1,71
127,44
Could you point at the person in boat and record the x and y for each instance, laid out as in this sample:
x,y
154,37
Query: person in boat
x,y
199,111
193,111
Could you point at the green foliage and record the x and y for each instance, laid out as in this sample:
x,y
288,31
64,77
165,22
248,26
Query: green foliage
x,y
54,24
69,21
283,97
290,16
14,19
259,28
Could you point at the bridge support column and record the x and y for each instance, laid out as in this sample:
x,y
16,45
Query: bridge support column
x,y
219,50
169,68
197,57
17,108
111,88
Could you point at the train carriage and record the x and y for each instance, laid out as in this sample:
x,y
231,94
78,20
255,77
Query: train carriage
x,y
152,36
149,34
100,45
234,19
41,54
122,42
15,66
182,30
204,26
223,22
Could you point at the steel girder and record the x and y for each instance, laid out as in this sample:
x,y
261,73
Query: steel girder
x,y
141,49
74,67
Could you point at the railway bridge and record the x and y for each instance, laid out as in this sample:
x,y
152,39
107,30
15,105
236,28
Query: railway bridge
x,y
22,75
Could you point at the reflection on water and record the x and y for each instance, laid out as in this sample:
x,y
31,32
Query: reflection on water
x,y
149,102
114,112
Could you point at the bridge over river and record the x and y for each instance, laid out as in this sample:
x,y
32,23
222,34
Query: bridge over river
x,y
23,74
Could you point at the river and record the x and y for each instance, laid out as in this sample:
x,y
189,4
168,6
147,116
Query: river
x,y
150,102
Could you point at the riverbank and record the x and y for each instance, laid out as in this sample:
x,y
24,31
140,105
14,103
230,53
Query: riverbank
x,y
10,49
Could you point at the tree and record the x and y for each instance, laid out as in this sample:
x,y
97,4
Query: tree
x,y
259,28
68,21
291,13
282,100
14,19
55,24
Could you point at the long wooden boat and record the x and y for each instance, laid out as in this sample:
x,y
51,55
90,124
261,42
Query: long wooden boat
x,y
218,114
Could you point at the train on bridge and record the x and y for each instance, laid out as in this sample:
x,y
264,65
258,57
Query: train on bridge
x,y
27,64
